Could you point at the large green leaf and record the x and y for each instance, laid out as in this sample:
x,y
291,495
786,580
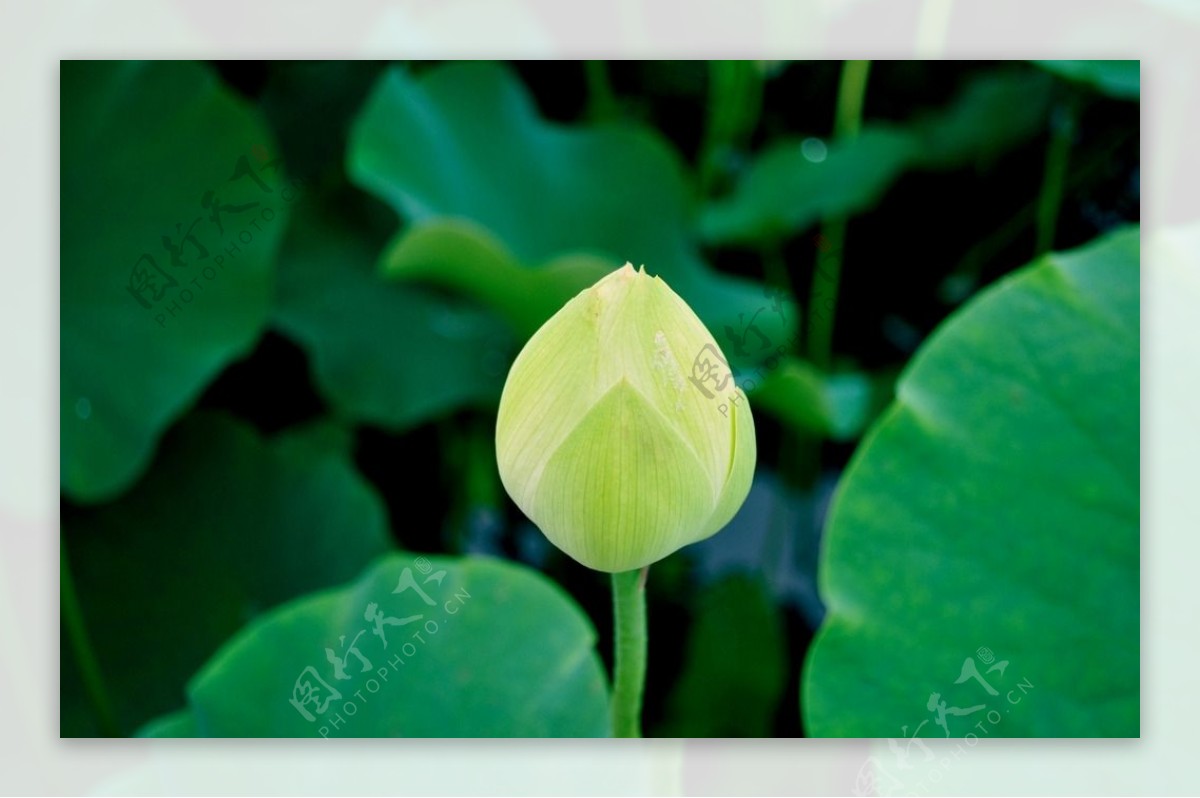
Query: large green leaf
x,y
992,516
834,406
157,296
993,113
788,189
223,527
426,647
1119,79
462,257
465,142
387,354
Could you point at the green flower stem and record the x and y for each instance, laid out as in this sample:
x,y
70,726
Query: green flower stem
x,y
823,298
1058,151
984,250
602,102
735,91
775,270
77,636
629,645
852,90
483,481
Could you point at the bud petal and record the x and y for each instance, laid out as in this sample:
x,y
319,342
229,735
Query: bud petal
x,y
603,441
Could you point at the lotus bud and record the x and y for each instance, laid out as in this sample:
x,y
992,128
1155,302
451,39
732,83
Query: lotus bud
x,y
621,432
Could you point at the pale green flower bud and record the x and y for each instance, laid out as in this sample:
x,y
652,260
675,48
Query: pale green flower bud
x,y
621,433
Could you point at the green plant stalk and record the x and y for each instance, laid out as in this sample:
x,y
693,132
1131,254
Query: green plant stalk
x,y
602,100
734,103
1054,176
985,250
852,91
471,470
629,648
823,297
77,636
775,271
483,482
798,454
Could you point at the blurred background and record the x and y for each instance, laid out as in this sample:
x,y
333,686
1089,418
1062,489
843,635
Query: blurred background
x,y
291,292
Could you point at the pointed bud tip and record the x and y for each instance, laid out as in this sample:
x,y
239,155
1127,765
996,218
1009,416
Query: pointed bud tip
x,y
627,271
